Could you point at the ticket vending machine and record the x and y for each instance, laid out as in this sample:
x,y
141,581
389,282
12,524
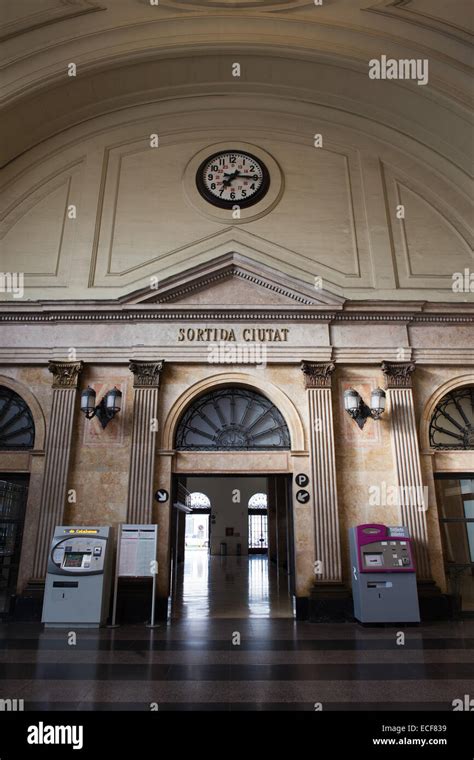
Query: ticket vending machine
x,y
78,580
383,574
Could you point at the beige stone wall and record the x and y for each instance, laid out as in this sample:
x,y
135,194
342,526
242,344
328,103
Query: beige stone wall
x,y
100,459
364,458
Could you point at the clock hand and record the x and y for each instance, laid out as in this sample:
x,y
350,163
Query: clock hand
x,y
230,177
238,175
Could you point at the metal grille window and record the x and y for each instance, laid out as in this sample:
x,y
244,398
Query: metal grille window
x,y
17,429
452,424
258,532
12,511
232,419
258,523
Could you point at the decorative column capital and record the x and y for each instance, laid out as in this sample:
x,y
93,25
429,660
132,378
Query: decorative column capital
x,y
66,374
317,374
398,374
146,374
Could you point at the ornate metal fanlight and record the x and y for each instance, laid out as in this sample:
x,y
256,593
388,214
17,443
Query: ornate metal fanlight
x,y
452,424
232,419
17,429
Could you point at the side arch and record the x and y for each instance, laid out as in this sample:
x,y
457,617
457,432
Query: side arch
x,y
456,382
34,406
272,392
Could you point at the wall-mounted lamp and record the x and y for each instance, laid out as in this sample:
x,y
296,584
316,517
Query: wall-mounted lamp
x,y
106,409
358,409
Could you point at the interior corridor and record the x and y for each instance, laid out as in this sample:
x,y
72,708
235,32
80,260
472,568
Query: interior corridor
x,y
230,587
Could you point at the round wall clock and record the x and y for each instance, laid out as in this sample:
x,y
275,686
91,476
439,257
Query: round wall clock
x,y
232,178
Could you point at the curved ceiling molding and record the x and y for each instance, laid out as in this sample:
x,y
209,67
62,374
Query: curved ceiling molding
x,y
22,21
232,5
180,75
413,12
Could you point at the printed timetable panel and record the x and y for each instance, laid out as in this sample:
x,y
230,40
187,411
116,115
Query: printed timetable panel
x,y
138,549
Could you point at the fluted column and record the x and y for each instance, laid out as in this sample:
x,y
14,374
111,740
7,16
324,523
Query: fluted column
x,y
323,471
57,453
398,379
142,460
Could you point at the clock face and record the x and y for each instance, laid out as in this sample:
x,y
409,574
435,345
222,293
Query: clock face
x,y
232,178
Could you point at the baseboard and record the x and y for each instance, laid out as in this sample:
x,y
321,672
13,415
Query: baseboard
x,y
434,605
27,607
330,603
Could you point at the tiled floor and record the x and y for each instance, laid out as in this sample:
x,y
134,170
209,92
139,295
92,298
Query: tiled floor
x,y
235,587
196,662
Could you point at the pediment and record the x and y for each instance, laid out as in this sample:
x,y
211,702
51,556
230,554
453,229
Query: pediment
x,y
234,280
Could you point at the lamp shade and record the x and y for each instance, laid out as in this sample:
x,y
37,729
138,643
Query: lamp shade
x,y
113,400
351,400
88,399
378,400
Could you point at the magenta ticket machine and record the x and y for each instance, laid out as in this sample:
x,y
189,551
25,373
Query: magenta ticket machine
x,y
383,574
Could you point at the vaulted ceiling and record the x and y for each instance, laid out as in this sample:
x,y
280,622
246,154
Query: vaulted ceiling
x,y
141,68
130,52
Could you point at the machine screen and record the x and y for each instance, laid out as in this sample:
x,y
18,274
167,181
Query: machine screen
x,y
374,560
75,559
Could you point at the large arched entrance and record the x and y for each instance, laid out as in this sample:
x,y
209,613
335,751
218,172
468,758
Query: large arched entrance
x,y
233,572
447,434
17,439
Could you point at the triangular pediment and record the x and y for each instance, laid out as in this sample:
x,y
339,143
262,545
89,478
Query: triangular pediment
x,y
234,280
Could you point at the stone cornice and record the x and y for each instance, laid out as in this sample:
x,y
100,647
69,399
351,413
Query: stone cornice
x,y
236,272
66,374
106,313
317,374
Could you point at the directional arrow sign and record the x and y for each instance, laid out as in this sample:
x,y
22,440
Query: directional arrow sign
x,y
302,497
162,495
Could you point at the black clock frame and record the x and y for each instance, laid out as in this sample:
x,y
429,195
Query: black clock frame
x,y
220,202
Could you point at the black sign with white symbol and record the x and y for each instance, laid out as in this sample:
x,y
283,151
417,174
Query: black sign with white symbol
x,y
301,480
161,495
302,497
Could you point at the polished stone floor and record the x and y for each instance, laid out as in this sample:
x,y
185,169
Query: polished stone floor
x,y
237,654
230,587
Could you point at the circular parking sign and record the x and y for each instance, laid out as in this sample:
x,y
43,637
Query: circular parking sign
x,y
302,497
301,480
161,495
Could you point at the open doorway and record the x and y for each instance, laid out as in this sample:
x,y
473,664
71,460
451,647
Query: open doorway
x,y
258,524
232,546
196,534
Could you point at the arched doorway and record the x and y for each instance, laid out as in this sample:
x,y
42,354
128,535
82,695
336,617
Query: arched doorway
x,y
451,438
17,437
226,581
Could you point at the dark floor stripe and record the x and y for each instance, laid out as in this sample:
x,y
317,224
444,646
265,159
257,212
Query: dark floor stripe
x,y
244,672
250,644
238,706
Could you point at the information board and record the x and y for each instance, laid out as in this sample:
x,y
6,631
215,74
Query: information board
x,y
138,550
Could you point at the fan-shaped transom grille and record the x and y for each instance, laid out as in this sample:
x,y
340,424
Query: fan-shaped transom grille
x,y
17,429
452,424
232,419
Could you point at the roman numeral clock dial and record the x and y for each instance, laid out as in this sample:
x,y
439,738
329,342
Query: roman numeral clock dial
x,y
232,178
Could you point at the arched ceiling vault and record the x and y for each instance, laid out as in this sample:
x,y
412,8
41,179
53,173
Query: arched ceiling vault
x,y
128,53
